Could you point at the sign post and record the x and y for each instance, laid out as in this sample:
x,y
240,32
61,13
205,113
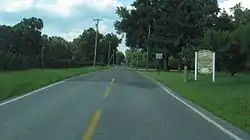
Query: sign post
x,y
195,65
158,57
213,79
204,63
185,74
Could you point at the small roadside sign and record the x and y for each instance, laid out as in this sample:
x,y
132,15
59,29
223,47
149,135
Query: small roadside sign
x,y
158,56
205,62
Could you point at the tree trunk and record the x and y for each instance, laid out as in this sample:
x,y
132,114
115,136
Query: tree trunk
x,y
1,62
165,63
233,73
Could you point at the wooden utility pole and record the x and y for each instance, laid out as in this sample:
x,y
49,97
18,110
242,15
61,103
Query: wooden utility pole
x,y
96,38
113,57
137,57
109,51
42,58
149,32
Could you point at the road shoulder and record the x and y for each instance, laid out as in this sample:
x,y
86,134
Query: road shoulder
x,y
222,125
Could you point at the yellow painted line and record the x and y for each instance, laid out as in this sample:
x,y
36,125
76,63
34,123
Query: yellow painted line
x,y
107,92
93,125
109,89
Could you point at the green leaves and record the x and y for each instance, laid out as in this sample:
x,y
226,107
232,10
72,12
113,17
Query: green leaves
x,y
84,45
23,46
175,25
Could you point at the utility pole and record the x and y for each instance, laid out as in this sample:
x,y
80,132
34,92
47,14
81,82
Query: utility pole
x,y
109,51
42,58
113,57
149,32
137,58
96,38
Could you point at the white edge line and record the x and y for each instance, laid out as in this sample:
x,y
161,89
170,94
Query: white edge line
x,y
40,89
232,135
28,94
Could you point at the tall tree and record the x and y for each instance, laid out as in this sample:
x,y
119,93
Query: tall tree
x,y
175,25
23,46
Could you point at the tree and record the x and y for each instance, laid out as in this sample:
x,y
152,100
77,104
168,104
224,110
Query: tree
x,y
59,53
232,47
224,22
240,38
85,46
5,43
131,58
241,15
28,36
109,44
119,57
175,25
23,46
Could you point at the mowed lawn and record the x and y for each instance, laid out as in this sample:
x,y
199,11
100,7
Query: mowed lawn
x,y
15,83
228,98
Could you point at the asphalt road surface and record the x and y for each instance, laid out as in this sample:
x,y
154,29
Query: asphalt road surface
x,y
115,104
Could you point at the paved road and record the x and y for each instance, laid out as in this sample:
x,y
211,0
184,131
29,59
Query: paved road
x,y
116,104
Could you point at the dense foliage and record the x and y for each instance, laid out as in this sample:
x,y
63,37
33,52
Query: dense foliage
x,y
23,46
181,27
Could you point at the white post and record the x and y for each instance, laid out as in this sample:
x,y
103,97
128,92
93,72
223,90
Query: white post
x,y
213,77
196,66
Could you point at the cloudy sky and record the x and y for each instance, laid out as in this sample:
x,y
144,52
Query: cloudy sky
x,y
68,18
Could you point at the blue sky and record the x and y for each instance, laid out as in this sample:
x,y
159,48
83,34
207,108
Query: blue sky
x,y
68,18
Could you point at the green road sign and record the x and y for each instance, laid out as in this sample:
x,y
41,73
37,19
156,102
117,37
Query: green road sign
x,y
205,61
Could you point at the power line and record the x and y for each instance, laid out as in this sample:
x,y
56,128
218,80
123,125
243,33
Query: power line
x,y
96,38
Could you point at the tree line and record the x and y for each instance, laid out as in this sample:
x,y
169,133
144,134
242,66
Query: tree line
x,y
24,46
181,27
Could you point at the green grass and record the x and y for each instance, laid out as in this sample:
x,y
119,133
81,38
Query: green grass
x,y
15,83
228,98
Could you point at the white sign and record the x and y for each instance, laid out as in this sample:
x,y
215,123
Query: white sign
x,y
205,63
158,56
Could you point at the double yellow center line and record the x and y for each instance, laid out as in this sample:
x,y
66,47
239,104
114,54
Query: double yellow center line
x,y
93,125
109,89
97,115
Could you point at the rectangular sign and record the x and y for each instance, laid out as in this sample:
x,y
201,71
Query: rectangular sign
x,y
158,56
205,61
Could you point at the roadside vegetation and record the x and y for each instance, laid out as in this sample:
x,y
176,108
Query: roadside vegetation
x,y
30,59
23,46
16,83
178,29
228,98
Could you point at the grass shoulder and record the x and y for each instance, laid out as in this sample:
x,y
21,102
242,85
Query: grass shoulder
x,y
228,98
16,83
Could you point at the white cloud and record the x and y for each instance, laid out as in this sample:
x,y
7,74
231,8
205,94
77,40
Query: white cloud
x,y
103,4
65,18
15,6
122,46
65,8
227,4
103,28
72,34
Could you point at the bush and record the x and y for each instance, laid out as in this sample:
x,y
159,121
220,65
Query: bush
x,y
172,63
